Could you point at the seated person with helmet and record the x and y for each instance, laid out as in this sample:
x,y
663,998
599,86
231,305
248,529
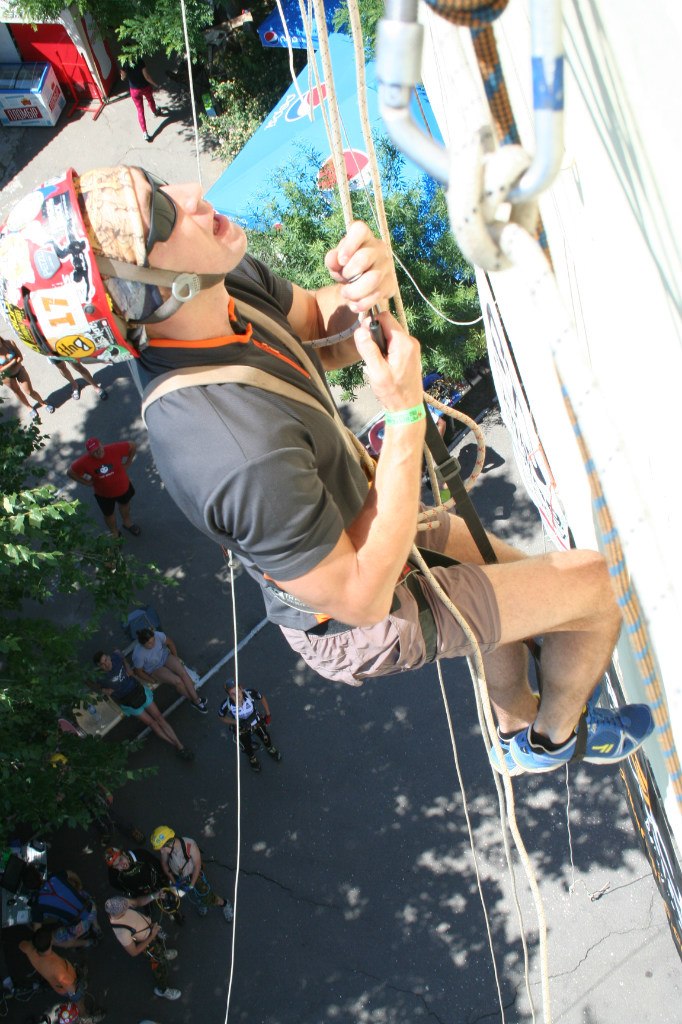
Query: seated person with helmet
x,y
138,874
219,341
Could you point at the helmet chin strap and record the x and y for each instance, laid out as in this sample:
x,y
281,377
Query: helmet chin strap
x,y
183,286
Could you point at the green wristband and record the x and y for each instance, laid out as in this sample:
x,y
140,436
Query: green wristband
x,y
413,415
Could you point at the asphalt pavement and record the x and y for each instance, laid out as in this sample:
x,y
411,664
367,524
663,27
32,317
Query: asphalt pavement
x,y
357,900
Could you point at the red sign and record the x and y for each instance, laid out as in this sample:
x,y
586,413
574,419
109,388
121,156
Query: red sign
x,y
23,114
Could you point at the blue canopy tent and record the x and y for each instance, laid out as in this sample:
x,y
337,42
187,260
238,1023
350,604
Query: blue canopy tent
x,y
271,31
288,136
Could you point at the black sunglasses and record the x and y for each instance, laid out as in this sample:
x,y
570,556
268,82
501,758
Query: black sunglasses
x,y
162,211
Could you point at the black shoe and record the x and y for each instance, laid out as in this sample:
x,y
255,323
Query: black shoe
x,y
274,753
255,764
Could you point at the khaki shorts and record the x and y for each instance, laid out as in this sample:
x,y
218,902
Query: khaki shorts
x,y
396,644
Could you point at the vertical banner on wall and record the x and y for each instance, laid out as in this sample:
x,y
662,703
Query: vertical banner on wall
x,y
518,419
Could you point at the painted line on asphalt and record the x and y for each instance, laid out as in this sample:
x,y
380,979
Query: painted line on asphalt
x,y
211,672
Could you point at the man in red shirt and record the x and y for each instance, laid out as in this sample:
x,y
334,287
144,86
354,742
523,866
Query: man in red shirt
x,y
104,469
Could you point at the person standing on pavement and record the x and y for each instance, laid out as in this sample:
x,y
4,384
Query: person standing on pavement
x,y
181,863
135,699
65,370
241,705
104,468
155,659
139,935
141,85
15,376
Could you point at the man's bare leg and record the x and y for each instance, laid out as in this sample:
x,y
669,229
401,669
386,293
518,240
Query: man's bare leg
x,y
564,597
506,668
111,523
181,681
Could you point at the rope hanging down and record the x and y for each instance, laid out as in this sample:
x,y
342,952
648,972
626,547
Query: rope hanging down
x,y
190,76
478,678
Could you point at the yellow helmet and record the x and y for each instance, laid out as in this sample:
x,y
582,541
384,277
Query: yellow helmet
x,y
58,760
160,836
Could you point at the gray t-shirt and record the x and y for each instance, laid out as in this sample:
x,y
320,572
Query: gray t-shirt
x,y
150,658
269,478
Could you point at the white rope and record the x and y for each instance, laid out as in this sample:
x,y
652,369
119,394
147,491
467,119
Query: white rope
x,y
358,47
503,813
438,312
472,845
367,196
290,50
335,129
191,87
314,80
488,724
238,858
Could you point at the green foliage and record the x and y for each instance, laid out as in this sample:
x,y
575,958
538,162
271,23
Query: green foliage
x,y
147,26
310,222
246,82
52,565
370,13
153,25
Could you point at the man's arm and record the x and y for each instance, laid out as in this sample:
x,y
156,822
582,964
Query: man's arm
x,y
355,581
140,901
148,78
194,852
132,451
126,664
170,644
85,479
142,676
163,856
329,310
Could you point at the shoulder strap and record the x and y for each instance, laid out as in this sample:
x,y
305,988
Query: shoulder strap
x,y
185,854
126,927
189,376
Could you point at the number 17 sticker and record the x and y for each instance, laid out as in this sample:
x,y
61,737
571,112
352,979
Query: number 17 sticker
x,y
59,312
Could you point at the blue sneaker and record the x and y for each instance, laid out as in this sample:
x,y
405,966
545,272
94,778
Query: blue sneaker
x,y
607,736
509,761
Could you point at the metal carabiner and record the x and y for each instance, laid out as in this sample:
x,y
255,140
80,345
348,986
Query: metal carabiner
x,y
547,63
399,47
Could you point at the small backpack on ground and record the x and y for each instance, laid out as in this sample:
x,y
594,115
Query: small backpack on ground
x,y
141,618
57,900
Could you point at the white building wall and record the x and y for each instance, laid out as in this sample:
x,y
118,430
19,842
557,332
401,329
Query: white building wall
x,y
613,219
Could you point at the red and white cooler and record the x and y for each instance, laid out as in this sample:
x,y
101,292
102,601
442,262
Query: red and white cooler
x,y
30,95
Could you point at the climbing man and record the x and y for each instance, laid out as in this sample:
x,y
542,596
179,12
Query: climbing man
x,y
220,343
242,706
